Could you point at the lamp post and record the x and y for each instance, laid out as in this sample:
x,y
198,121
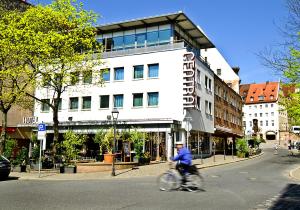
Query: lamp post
x,y
114,114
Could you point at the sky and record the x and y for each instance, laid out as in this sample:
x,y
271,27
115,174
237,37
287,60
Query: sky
x,y
240,29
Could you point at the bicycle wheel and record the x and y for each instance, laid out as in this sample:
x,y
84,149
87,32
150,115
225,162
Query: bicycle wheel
x,y
167,181
195,183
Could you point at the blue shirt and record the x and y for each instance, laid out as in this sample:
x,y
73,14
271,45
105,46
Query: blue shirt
x,y
184,155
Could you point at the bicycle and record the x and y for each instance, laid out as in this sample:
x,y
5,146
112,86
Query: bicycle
x,y
171,180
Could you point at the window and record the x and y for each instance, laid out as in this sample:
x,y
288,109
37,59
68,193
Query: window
x,y
255,106
271,97
104,101
272,114
272,105
244,123
266,105
198,77
153,99
261,123
59,104
138,72
261,98
153,70
255,114
118,43
118,101
260,106
272,122
137,99
219,72
250,107
152,38
250,115
209,84
267,114
208,107
198,103
260,114
251,98
73,103
164,36
140,39
129,41
74,78
267,123
87,77
105,74
119,73
206,82
44,106
86,102
250,123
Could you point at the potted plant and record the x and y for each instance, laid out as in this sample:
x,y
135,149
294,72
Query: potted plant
x,y
70,147
21,159
108,142
138,139
98,139
242,148
145,159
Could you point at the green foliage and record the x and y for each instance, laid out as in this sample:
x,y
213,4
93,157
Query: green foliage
x,y
108,140
138,138
241,146
10,145
71,144
22,157
99,137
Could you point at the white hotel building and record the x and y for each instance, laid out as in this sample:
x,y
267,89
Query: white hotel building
x,y
156,79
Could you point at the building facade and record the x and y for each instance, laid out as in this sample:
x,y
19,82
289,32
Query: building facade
x,y
154,75
261,106
228,117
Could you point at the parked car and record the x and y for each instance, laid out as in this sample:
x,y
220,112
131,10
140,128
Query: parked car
x,y
5,167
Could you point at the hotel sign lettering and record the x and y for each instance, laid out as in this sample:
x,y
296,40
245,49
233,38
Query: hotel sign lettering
x,y
189,80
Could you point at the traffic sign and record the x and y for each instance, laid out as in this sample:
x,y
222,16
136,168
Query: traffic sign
x,y
42,127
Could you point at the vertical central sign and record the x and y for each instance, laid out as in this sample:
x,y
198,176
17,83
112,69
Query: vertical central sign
x,y
189,80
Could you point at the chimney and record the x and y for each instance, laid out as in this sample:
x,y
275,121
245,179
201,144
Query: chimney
x,y
236,69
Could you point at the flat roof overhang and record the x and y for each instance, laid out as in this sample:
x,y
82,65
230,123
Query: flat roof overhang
x,y
179,18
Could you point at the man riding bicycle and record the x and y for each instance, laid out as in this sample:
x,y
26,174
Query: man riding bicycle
x,y
184,158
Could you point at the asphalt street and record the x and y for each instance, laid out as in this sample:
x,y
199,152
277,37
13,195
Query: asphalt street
x,y
261,183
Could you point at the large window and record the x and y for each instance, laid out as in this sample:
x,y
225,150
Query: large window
x,y
118,101
104,101
164,36
44,106
153,99
86,102
153,70
129,41
138,72
105,74
140,39
119,73
87,77
73,103
152,38
208,107
118,43
137,99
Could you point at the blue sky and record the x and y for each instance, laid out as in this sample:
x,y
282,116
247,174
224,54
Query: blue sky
x,y
238,28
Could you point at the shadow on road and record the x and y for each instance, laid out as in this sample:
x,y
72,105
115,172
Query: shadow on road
x,y
289,199
10,178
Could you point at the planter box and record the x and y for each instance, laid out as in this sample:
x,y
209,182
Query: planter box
x,y
68,169
144,161
108,158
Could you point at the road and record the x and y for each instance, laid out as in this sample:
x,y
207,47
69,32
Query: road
x,y
261,183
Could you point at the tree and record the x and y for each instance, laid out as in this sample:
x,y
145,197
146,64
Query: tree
x,y
284,60
62,45
15,76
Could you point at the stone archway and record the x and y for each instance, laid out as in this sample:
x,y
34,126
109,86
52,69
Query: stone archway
x,y
270,135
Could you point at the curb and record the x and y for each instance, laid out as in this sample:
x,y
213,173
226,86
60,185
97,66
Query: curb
x,y
220,164
292,171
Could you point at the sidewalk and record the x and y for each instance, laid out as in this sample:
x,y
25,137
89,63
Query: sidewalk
x,y
148,170
295,173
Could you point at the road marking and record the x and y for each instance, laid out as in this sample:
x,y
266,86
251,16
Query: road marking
x,y
252,178
215,176
244,172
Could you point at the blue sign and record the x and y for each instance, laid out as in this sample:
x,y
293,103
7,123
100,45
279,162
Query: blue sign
x,y
42,127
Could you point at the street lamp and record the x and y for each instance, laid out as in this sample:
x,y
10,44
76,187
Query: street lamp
x,y
114,114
